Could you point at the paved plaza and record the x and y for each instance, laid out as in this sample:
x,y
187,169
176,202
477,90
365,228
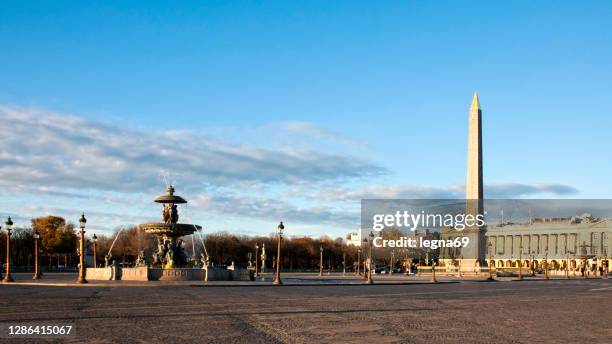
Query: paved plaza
x,y
396,310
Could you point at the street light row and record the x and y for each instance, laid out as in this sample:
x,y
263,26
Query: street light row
x,y
37,274
277,278
368,261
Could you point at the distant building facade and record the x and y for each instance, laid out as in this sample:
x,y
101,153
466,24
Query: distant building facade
x,y
353,239
561,241
572,242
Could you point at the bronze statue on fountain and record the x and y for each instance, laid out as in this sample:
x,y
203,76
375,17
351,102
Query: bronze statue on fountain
x,y
170,251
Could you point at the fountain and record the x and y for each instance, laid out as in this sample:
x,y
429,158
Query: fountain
x,y
170,261
170,251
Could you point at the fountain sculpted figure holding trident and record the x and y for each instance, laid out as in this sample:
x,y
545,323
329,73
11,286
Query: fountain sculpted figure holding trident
x,y
174,214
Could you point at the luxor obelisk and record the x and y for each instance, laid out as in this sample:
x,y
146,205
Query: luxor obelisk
x,y
473,184
474,254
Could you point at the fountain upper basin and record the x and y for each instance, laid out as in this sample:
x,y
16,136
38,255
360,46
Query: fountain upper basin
x,y
170,230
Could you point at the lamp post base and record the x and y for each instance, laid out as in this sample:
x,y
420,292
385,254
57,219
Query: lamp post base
x,y
81,280
8,278
277,282
37,276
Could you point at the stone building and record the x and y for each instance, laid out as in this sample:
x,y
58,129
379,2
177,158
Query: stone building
x,y
560,241
354,239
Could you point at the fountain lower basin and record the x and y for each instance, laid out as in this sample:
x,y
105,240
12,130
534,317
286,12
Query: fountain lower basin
x,y
210,273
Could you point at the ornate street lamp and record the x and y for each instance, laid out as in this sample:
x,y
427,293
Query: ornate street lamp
x,y
82,222
358,272
407,263
256,260
433,271
321,261
546,264
532,263
567,265
343,263
280,228
490,245
95,259
392,261
9,227
520,276
605,264
263,258
369,260
37,273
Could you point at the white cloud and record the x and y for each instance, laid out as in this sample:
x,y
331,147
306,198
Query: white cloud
x,y
274,209
515,190
53,163
312,130
493,190
39,148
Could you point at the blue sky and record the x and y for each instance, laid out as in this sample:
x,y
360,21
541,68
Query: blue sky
x,y
296,109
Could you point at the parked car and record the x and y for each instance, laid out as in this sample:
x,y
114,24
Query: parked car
x,y
380,269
